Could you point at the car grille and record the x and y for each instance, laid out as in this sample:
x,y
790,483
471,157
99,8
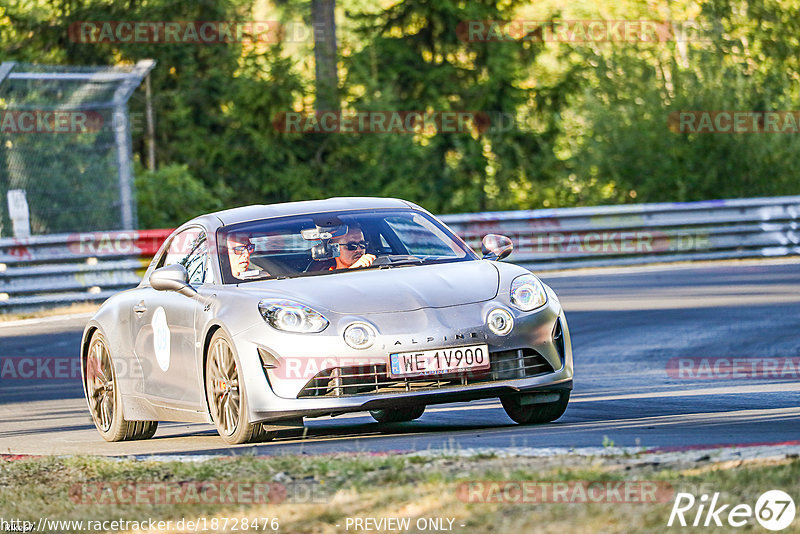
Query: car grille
x,y
373,378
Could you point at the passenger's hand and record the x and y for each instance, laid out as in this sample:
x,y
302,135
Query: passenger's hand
x,y
364,261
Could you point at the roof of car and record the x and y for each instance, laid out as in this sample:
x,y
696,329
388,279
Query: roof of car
x,y
262,211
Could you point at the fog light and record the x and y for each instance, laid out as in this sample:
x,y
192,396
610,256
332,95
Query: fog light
x,y
359,335
500,321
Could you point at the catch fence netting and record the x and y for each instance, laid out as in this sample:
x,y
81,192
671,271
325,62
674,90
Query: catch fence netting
x,y
65,141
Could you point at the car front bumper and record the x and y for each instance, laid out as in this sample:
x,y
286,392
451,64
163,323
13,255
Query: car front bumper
x,y
275,393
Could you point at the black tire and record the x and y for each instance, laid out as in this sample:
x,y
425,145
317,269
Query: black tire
x,y
227,401
531,414
104,397
397,415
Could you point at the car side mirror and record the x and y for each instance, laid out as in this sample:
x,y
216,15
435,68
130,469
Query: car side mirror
x,y
172,278
496,247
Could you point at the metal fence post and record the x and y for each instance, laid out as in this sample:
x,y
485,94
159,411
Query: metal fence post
x,y
124,169
124,144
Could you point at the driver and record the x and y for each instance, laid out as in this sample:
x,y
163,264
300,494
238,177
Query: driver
x,y
352,250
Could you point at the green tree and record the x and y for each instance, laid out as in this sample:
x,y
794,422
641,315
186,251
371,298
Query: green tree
x,y
630,150
171,195
434,67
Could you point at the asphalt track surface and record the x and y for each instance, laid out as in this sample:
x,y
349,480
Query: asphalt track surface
x,y
626,325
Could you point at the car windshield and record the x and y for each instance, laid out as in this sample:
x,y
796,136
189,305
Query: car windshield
x,y
333,242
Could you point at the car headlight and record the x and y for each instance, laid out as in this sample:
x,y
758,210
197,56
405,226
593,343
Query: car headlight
x,y
359,335
527,293
292,316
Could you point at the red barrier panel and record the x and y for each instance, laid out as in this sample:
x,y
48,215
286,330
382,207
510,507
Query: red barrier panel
x,y
149,241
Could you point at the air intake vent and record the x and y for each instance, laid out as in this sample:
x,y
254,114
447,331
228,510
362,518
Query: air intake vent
x,y
558,340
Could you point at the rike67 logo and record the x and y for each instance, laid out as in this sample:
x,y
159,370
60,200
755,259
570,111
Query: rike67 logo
x,y
774,510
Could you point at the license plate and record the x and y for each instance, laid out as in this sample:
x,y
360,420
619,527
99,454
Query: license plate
x,y
438,361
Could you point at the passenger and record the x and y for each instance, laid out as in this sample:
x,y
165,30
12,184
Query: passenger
x,y
239,250
352,250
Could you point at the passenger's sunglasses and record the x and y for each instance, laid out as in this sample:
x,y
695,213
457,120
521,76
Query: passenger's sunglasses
x,y
241,248
355,245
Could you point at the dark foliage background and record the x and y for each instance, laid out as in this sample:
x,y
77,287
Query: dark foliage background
x,y
590,120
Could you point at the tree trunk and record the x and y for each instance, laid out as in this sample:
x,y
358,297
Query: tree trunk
x,y
324,24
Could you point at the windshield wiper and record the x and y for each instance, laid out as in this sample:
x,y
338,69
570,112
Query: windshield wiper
x,y
396,260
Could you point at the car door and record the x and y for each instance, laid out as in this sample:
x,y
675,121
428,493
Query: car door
x,y
164,322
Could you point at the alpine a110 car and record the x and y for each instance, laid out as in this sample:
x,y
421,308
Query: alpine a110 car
x,y
257,317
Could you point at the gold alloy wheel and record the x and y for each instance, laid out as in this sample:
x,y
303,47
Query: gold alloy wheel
x,y
223,379
100,384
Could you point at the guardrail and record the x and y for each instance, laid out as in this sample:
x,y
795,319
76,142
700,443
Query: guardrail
x,y
50,270
568,238
61,269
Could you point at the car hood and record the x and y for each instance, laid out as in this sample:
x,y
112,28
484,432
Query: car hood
x,y
389,290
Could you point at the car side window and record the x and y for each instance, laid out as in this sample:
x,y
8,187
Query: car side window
x,y
196,262
190,249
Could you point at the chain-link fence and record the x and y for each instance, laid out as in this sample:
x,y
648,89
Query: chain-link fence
x,y
65,142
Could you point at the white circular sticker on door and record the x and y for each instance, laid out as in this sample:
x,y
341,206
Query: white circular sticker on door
x,y
161,338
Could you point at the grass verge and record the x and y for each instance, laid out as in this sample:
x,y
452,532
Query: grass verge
x,y
315,494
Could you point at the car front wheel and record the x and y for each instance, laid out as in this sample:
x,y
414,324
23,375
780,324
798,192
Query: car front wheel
x,y
105,399
226,397
531,414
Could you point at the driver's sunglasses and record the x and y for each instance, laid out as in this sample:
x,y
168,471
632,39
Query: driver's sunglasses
x,y
241,248
355,245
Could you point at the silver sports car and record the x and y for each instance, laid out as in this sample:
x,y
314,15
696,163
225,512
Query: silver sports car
x,y
256,317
